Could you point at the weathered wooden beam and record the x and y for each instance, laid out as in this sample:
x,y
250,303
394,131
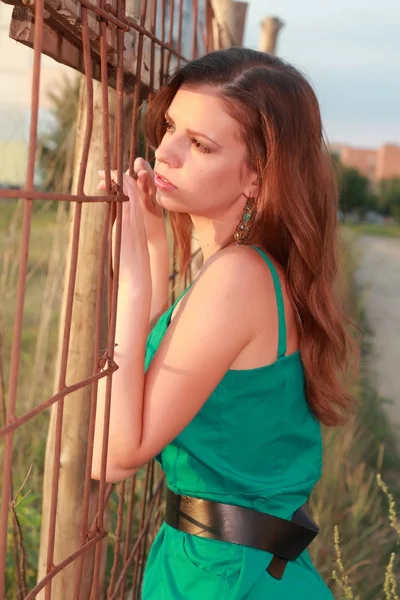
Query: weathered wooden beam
x,y
62,39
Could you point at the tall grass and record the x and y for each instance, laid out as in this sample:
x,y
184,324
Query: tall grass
x,y
348,495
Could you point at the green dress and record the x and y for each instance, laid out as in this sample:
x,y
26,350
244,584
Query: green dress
x,y
256,444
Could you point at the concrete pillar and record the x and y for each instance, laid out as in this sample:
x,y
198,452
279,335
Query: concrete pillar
x,y
270,27
238,21
222,23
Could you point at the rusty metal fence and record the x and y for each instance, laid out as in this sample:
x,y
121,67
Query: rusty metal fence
x,y
129,48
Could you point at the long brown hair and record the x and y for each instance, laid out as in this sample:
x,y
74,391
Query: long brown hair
x,y
296,209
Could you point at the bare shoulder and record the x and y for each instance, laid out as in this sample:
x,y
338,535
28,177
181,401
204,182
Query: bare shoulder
x,y
236,269
235,280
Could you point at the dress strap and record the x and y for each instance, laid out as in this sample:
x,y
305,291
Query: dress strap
x,y
279,302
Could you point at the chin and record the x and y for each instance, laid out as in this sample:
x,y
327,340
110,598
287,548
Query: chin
x,y
167,201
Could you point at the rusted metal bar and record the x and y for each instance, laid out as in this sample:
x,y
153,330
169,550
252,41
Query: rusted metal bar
x,y
118,154
67,561
118,535
179,46
136,98
162,66
70,297
23,265
146,501
106,226
128,533
143,531
39,195
194,33
17,422
171,33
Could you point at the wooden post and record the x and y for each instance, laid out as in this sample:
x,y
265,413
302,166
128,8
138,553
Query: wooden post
x,y
270,28
80,366
238,21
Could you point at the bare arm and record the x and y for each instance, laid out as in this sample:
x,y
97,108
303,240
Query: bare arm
x,y
156,239
149,411
156,234
159,267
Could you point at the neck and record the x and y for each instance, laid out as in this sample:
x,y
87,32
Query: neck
x,y
212,233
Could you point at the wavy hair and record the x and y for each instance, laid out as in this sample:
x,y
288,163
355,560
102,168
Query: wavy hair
x,y
295,213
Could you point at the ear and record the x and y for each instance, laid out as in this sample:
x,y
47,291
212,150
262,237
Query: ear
x,y
252,189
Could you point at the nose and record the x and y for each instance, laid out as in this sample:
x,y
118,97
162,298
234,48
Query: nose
x,y
167,153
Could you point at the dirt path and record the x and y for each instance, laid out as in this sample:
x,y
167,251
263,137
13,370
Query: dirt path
x,y
378,274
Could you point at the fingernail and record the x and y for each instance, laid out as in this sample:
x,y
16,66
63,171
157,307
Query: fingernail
x,y
101,172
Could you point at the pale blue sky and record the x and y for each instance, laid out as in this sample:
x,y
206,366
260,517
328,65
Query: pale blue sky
x,y
351,52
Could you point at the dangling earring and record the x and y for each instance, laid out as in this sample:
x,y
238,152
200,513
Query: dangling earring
x,y
243,231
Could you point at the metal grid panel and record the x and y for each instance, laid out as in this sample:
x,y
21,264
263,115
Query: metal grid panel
x,y
105,41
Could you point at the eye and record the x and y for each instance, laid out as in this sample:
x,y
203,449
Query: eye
x,y
167,125
199,146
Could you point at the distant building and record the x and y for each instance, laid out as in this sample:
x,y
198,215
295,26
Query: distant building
x,y
362,159
387,162
383,163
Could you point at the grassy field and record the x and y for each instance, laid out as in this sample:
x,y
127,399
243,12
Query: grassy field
x,y
379,230
36,367
347,496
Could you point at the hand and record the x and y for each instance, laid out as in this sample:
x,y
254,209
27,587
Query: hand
x,y
152,211
134,257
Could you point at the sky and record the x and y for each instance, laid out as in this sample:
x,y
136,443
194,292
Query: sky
x,y
350,50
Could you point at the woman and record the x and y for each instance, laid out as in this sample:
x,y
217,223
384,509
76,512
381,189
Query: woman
x,y
242,370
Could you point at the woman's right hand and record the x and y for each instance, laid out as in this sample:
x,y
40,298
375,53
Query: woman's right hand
x,y
152,211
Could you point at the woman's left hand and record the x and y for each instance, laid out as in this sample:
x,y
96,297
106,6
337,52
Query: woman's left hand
x,y
134,266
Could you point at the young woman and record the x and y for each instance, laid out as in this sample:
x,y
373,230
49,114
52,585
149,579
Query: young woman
x,y
242,370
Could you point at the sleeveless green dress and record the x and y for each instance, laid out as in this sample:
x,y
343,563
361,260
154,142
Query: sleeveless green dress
x,y
256,444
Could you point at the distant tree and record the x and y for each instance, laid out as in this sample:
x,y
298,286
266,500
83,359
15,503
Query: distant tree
x,y
56,146
389,196
355,192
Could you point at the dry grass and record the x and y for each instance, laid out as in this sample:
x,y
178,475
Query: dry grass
x,y
348,496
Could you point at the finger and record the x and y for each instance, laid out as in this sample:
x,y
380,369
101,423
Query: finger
x,y
143,181
148,181
141,164
113,174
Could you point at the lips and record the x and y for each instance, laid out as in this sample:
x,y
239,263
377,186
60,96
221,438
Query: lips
x,y
162,182
163,178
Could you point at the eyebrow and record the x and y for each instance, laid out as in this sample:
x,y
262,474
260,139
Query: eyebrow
x,y
194,133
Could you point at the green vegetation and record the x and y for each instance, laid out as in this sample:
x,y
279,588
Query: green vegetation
x,y
29,440
348,495
375,229
355,193
358,196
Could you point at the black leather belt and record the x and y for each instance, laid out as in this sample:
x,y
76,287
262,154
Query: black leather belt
x,y
286,540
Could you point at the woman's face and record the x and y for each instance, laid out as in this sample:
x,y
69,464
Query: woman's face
x,y
202,156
